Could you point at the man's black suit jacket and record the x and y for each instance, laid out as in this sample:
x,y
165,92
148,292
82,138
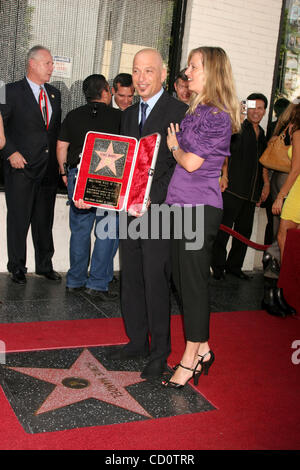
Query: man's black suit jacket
x,y
26,132
166,110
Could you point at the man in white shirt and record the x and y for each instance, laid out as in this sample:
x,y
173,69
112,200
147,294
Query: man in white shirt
x,y
122,91
181,87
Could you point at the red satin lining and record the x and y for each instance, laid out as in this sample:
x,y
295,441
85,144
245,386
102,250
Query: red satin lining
x,y
140,175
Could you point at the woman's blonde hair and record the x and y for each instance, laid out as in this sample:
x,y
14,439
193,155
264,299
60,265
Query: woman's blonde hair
x,y
284,119
295,119
219,87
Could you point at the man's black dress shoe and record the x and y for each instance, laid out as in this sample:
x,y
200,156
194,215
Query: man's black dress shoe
x,y
102,294
218,273
239,274
19,277
126,352
114,280
51,275
74,289
154,369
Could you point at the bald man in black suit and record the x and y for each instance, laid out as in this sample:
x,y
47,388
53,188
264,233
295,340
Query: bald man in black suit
x,y
145,264
32,121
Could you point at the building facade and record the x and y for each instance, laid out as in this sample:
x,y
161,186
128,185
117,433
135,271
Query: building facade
x,y
102,36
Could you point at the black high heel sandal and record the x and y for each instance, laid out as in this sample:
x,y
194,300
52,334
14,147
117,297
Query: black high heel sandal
x,y
195,376
206,364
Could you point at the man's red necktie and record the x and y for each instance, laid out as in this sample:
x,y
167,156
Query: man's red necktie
x,y
44,106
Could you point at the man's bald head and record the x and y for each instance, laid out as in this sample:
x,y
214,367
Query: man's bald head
x,y
153,53
148,73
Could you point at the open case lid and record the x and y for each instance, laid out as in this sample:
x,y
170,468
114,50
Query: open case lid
x,y
105,170
142,172
116,171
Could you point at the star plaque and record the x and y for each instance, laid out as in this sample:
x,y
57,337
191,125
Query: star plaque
x,y
116,171
60,389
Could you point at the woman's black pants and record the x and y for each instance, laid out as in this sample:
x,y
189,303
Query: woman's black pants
x,y
191,262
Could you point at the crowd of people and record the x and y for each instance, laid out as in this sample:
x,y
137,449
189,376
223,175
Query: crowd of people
x,y
208,157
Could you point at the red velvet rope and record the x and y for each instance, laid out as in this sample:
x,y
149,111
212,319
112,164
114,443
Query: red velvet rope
x,y
256,246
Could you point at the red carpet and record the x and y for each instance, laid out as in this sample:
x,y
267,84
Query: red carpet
x,y
253,384
289,278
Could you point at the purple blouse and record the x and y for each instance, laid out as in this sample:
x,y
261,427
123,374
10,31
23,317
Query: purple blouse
x,y
206,133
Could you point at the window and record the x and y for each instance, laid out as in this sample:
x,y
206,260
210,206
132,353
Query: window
x,y
288,78
88,36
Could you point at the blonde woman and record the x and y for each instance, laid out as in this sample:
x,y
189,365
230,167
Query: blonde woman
x,y
289,208
2,136
278,178
199,149
273,301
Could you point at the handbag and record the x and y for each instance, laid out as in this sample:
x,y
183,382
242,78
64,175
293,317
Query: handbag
x,y
275,157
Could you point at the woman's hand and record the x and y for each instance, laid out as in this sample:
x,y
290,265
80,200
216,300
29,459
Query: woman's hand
x,y
277,205
223,181
188,160
171,137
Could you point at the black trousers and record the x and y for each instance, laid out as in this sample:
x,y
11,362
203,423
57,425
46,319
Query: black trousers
x,y
29,203
191,273
240,214
145,292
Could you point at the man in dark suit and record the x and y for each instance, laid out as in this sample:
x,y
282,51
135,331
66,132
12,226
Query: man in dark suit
x,y
145,263
33,115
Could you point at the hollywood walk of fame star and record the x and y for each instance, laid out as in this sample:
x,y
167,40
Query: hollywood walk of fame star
x,y
86,378
108,158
